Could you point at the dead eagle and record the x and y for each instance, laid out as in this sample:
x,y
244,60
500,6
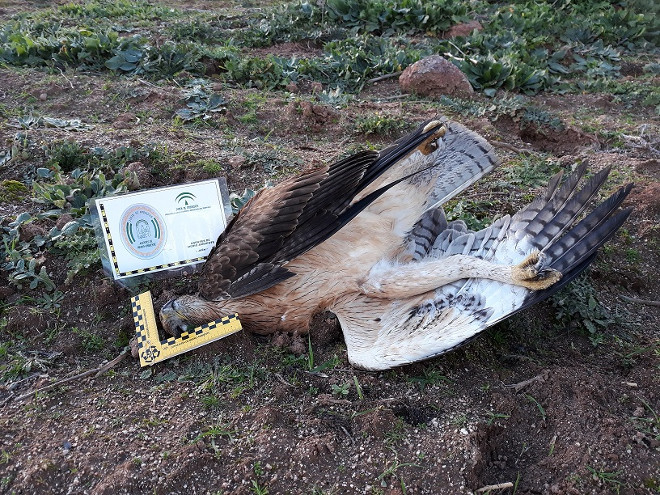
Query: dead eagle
x,y
367,239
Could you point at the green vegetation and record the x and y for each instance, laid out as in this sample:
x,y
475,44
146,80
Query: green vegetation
x,y
90,342
576,306
12,191
608,478
379,124
525,46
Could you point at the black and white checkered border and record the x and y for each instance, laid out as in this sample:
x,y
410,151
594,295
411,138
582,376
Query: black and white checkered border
x,y
115,264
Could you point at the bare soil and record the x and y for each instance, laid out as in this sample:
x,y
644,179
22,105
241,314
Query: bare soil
x,y
529,403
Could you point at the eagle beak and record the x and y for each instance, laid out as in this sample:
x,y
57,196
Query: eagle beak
x,y
429,145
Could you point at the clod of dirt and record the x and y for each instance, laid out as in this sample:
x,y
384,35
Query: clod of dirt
x,y
106,293
6,292
434,76
26,320
298,347
646,199
29,231
651,167
547,139
63,220
137,176
237,161
375,423
269,415
326,330
317,87
315,116
125,121
463,29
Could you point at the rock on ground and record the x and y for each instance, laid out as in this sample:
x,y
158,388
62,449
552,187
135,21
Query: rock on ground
x,y
434,76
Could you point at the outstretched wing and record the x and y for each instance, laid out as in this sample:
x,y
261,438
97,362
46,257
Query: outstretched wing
x,y
281,223
400,332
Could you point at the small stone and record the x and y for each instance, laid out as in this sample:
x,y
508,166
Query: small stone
x,y
43,96
237,161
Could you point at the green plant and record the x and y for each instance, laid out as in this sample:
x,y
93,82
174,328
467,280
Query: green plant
x,y
215,431
12,191
200,102
238,201
392,467
80,248
538,405
380,124
51,302
475,214
67,156
340,390
257,489
210,401
211,167
90,342
431,376
358,388
650,426
608,478
494,416
63,193
576,306
530,171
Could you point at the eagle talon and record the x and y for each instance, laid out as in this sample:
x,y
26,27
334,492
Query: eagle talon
x,y
429,145
531,274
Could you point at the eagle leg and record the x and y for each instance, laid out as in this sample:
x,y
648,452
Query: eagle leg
x,y
399,281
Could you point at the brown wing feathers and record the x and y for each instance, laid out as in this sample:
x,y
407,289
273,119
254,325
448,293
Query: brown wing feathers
x,y
256,234
283,222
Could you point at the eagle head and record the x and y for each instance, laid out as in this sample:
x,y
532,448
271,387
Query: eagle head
x,y
187,312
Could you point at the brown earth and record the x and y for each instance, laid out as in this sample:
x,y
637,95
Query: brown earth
x,y
531,403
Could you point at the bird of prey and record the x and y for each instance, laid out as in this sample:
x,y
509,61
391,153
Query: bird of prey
x,y
367,239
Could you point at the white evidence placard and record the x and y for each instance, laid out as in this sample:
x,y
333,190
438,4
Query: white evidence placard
x,y
161,229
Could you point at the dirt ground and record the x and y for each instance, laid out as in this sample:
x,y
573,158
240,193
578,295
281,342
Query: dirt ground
x,y
540,407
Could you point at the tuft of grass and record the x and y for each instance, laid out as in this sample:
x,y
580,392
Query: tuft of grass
x,y
538,405
12,191
381,125
607,477
90,342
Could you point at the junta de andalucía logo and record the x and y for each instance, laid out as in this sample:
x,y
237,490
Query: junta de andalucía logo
x,y
186,201
143,231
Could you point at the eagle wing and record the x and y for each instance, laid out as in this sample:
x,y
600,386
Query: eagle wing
x,y
383,334
280,223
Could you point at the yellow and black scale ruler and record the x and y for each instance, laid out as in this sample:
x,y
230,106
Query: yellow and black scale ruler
x,y
153,350
115,264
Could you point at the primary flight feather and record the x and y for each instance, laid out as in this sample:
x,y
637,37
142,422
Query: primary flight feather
x,y
367,239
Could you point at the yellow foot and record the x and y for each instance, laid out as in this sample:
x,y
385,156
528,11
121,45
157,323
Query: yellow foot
x,y
429,145
530,275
